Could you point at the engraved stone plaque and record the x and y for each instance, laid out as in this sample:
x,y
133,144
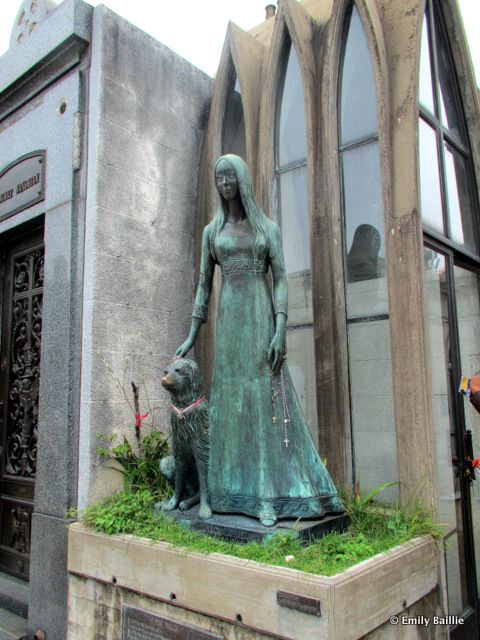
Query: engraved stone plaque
x,y
311,606
22,184
139,624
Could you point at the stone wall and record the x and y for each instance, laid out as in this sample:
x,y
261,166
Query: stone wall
x,y
237,599
147,112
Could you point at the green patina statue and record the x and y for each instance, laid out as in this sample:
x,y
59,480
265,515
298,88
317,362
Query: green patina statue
x,y
263,461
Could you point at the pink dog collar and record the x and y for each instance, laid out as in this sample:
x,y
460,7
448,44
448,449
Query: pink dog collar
x,y
181,412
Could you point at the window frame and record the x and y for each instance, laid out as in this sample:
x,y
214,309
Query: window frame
x,y
368,139
434,16
286,49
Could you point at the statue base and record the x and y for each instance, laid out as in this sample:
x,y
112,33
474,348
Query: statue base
x,y
243,529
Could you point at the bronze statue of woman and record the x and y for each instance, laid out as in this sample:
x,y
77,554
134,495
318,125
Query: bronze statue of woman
x,y
263,462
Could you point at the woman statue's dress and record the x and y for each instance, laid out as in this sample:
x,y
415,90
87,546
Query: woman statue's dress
x,y
259,466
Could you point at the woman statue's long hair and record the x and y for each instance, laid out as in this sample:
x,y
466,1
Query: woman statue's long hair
x,y
259,223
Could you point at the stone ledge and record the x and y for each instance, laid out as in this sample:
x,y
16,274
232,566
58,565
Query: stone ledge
x,y
224,588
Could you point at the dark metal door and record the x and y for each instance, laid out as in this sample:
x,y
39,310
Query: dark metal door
x,y
19,387
453,308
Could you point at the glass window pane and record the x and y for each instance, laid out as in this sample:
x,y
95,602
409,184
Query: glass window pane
x,y
468,314
443,385
373,421
358,111
292,137
234,123
364,232
301,364
450,115
294,220
459,203
299,297
426,91
430,197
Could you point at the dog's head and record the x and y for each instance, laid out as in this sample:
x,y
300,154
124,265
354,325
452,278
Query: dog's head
x,y
183,378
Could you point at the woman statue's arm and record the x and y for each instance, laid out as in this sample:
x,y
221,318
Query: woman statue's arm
x,y
277,350
204,289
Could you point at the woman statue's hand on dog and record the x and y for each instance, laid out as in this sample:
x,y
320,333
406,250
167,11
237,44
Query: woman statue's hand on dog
x,y
185,347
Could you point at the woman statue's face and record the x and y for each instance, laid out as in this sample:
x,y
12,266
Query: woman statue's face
x,y
226,180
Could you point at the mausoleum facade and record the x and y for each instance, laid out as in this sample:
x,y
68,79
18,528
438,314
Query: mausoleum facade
x,y
359,121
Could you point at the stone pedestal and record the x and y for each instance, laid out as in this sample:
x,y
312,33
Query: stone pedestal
x,y
240,528
118,582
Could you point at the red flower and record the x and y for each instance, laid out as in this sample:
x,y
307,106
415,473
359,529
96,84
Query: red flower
x,y
476,463
139,419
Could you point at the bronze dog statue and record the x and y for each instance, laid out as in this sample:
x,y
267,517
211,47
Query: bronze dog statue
x,y
190,439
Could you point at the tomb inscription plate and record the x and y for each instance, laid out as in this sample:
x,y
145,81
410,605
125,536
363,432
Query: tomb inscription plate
x,y
138,624
22,184
311,606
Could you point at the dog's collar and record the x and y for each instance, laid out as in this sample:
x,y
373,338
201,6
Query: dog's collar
x,y
181,412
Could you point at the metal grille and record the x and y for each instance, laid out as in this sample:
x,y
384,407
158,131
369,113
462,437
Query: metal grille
x,y
19,389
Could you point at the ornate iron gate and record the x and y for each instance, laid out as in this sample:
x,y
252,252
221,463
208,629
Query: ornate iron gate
x,y
19,387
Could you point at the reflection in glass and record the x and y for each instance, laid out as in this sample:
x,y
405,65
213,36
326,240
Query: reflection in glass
x,y
369,354
366,279
443,385
362,259
233,140
459,204
294,220
373,421
430,197
363,192
468,313
358,111
365,263
364,227
426,91
292,137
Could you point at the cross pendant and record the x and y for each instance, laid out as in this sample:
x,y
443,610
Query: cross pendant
x,y
286,441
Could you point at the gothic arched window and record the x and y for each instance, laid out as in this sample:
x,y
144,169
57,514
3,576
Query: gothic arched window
x,y
370,368
293,217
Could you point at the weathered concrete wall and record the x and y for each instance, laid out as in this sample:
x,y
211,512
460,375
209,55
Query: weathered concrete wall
x,y
237,599
96,609
148,108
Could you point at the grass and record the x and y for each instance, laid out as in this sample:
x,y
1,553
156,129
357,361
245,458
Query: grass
x,y
373,529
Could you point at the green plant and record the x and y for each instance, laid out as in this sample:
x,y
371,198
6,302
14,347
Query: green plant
x,y
71,513
361,509
121,513
402,521
141,470
370,532
140,466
